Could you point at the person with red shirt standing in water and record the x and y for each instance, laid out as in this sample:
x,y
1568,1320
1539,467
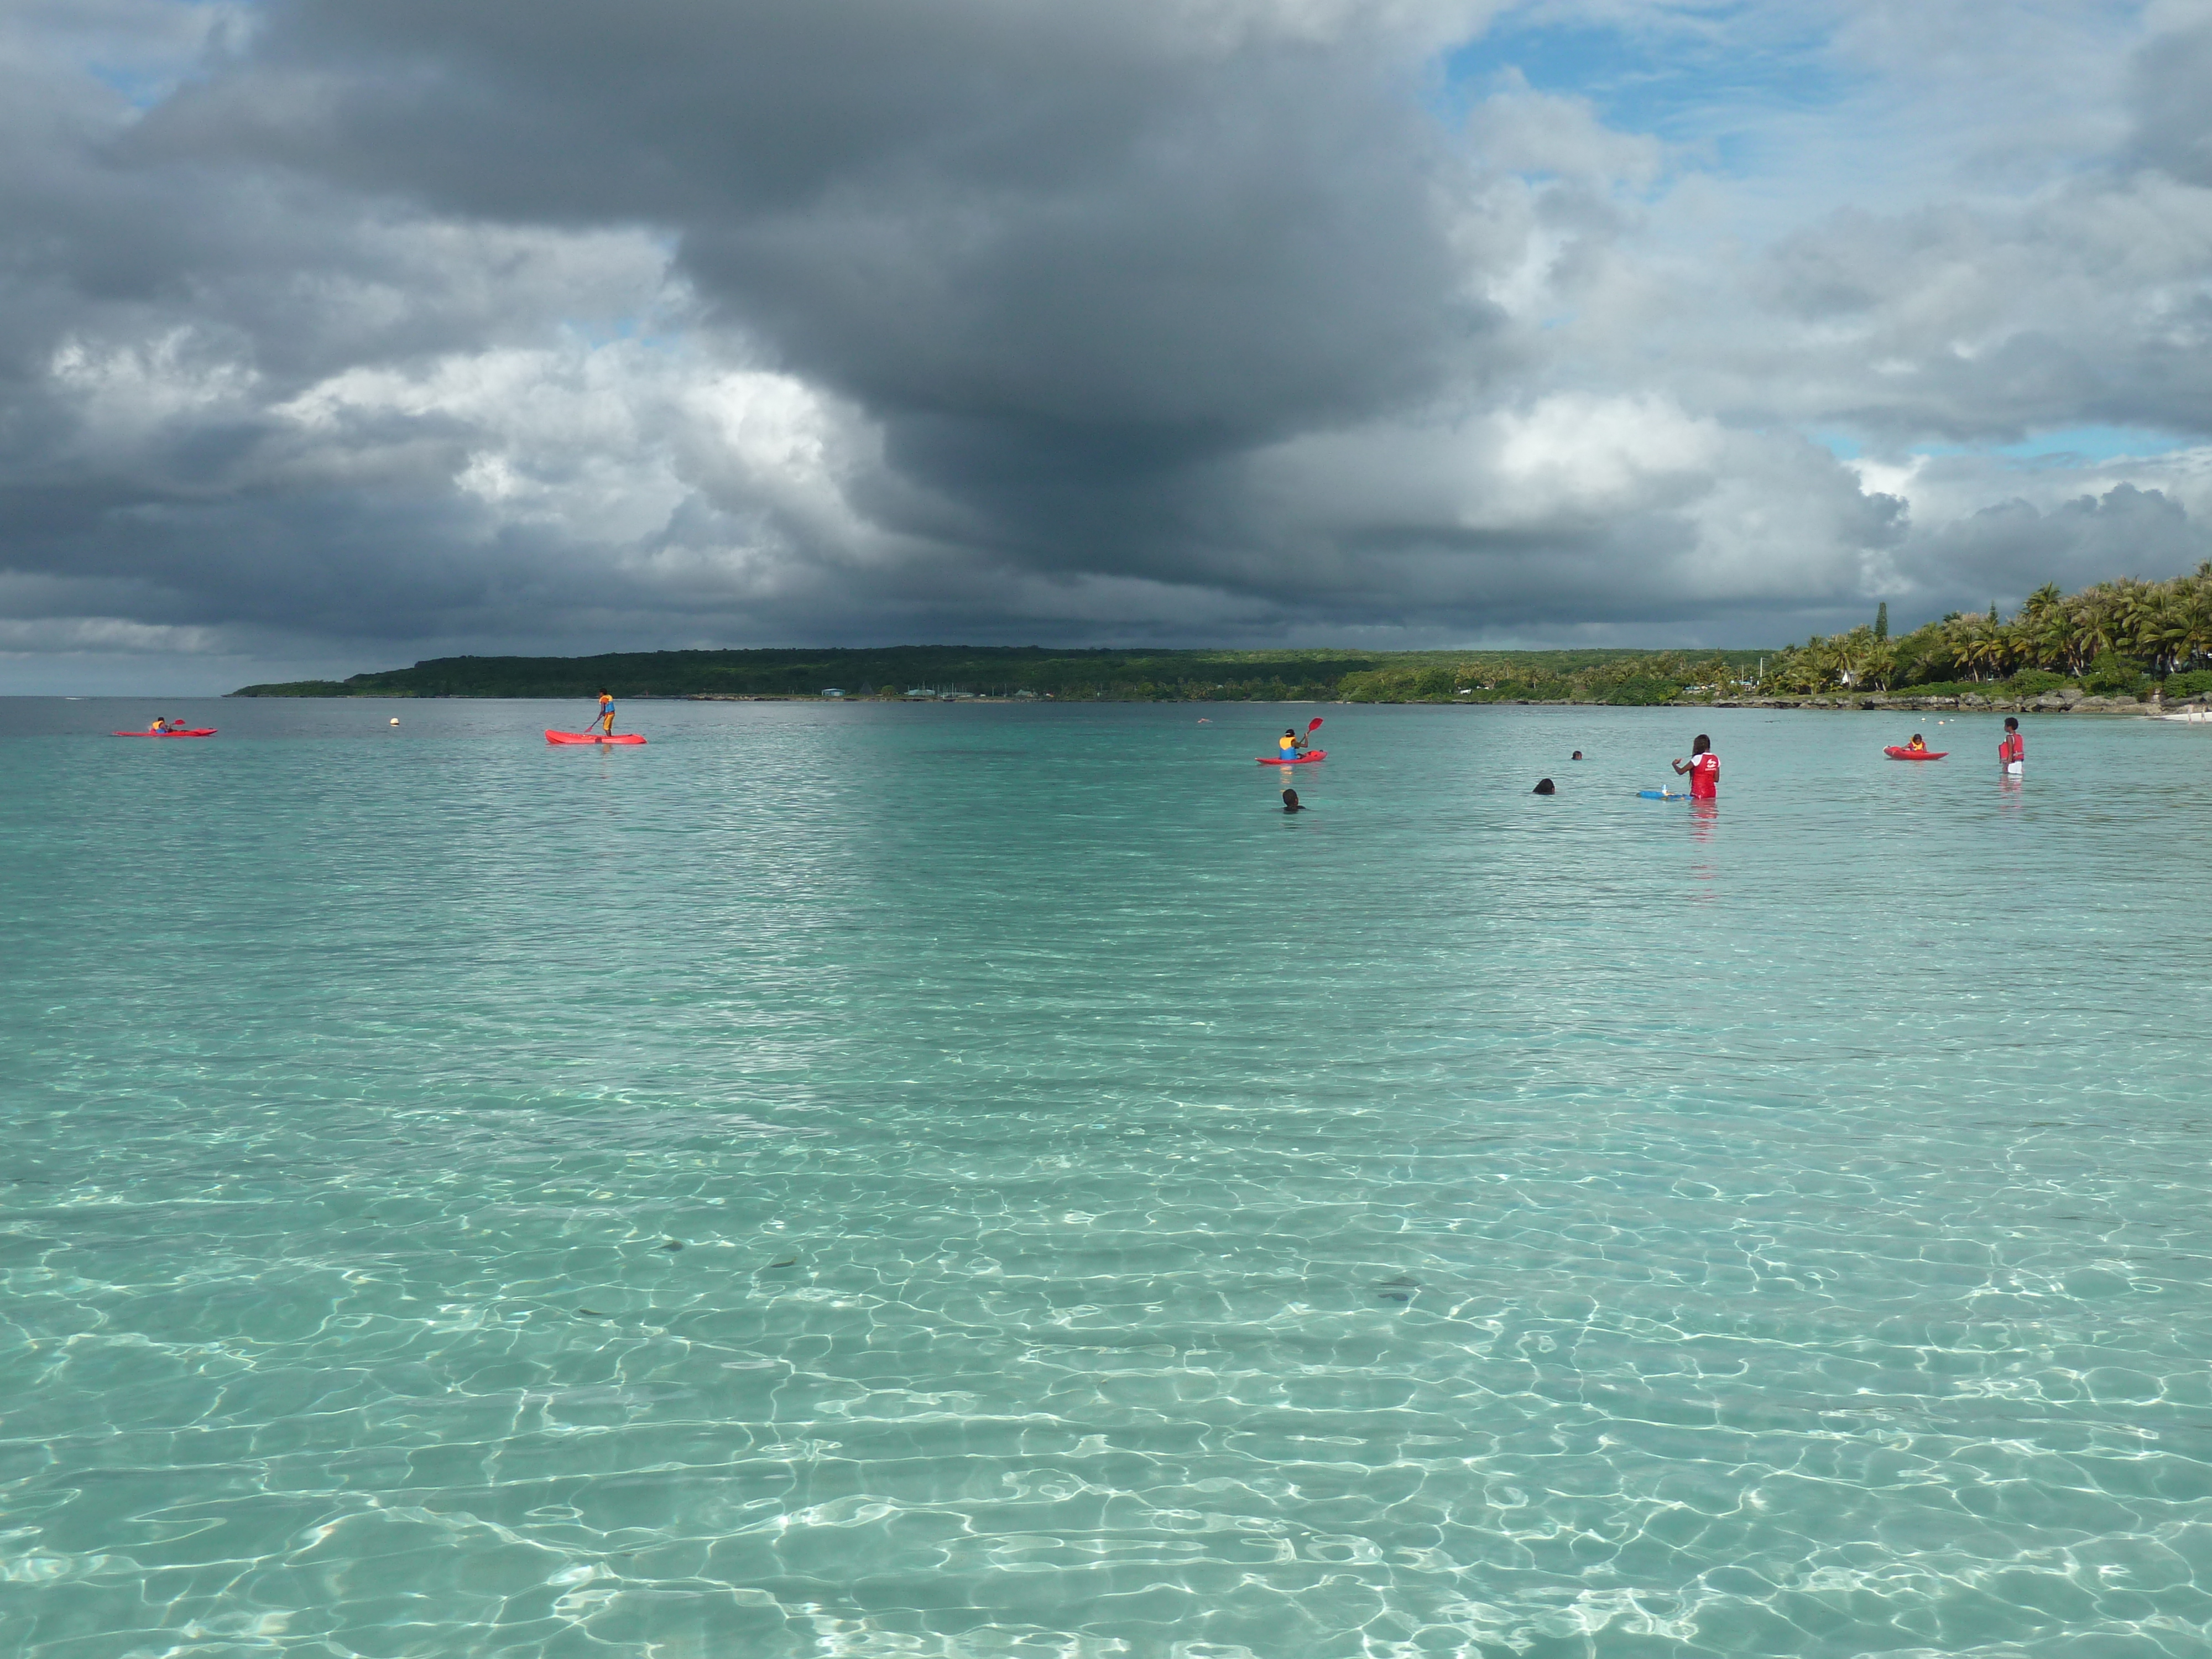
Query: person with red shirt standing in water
x,y
2012,753
1705,770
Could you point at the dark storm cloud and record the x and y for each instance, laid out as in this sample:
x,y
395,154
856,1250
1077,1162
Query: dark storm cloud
x,y
2173,118
478,324
2005,550
1062,253
158,317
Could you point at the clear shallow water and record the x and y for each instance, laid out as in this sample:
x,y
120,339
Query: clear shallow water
x,y
1115,1219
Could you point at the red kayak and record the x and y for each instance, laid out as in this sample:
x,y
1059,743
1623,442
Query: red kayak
x,y
204,732
1896,752
592,737
1310,755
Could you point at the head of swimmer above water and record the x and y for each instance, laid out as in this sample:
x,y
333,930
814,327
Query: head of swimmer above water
x,y
1545,786
1291,801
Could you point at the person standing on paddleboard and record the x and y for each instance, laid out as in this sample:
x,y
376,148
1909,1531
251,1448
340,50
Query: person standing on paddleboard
x,y
605,721
1704,767
2012,753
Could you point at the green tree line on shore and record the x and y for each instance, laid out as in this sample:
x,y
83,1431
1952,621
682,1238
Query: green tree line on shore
x,y
1594,676
2114,637
887,671
1632,678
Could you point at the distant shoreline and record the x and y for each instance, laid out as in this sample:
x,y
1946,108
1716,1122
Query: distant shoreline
x,y
1602,678
1878,703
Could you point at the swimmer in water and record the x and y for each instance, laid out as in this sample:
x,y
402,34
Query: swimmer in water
x,y
1577,755
1545,786
1291,801
605,718
2012,753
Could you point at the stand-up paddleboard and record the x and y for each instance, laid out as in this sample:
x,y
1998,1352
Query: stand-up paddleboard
x,y
592,737
1898,751
1659,794
1310,755
203,732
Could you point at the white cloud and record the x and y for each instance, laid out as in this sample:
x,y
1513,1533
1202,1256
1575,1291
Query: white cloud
x,y
1206,317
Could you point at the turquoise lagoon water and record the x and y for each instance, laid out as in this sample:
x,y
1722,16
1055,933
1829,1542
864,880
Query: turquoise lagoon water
x,y
1114,1218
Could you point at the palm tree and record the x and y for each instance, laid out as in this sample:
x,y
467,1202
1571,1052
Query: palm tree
x,y
2041,605
2193,616
1989,652
2040,627
2157,631
2098,624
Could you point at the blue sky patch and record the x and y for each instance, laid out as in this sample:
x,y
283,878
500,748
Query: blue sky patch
x,y
1703,79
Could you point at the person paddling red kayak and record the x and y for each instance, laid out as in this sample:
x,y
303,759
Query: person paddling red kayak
x,y
1917,749
602,728
1292,748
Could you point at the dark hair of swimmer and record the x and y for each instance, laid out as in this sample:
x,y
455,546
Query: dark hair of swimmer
x,y
1703,744
1577,755
1291,801
1544,787
2011,724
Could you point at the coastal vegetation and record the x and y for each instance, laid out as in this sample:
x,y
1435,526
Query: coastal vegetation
x,y
1590,676
2114,639
1633,679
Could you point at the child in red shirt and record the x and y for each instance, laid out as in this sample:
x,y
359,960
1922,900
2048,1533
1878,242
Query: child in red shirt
x,y
1705,770
2012,753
